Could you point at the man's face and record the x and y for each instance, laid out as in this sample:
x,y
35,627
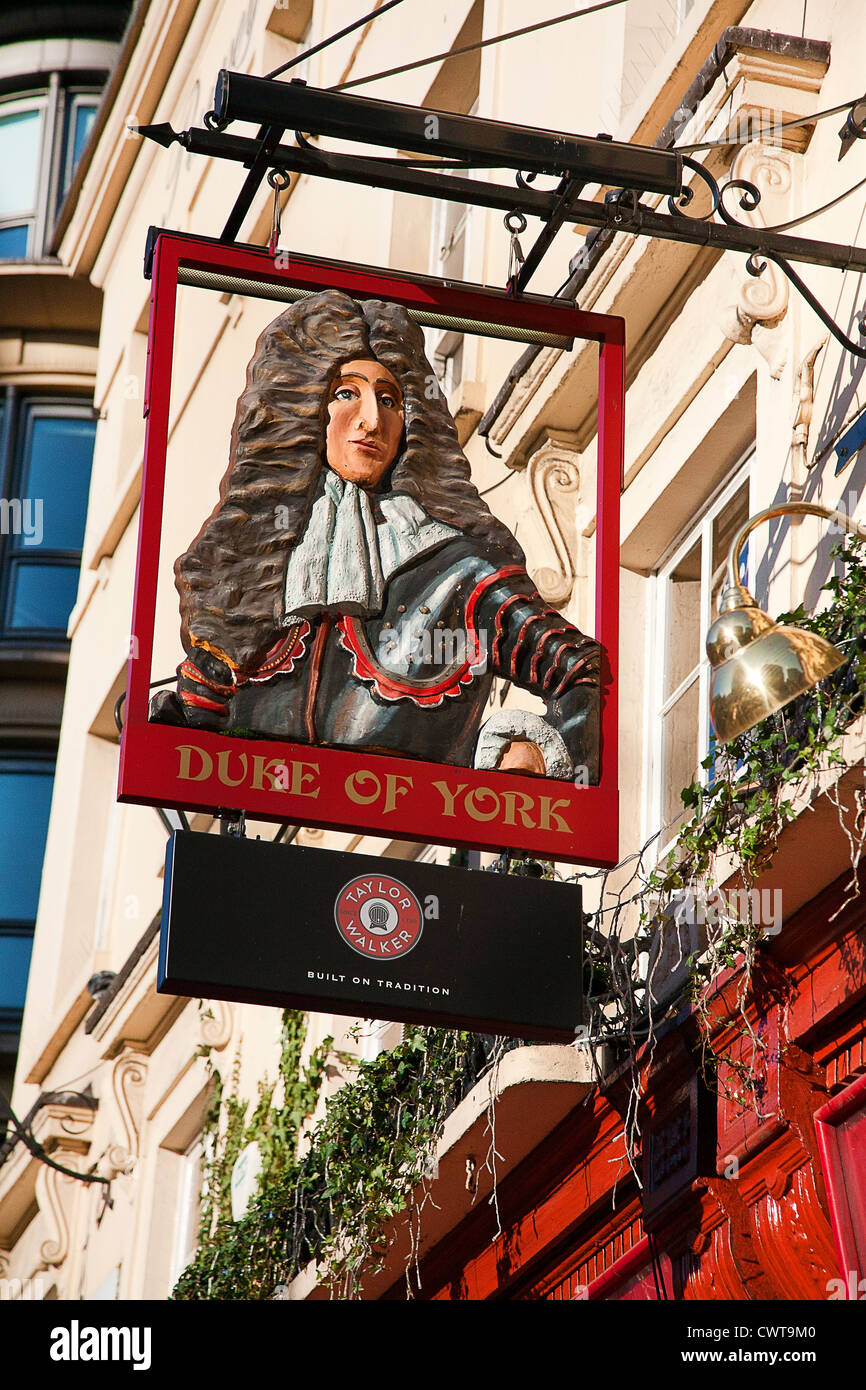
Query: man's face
x,y
365,422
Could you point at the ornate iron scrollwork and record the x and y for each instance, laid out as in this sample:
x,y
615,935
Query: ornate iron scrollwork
x,y
750,196
756,266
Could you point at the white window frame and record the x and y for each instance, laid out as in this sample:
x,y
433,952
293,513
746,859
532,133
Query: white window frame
x,y
187,1209
657,704
32,218
443,344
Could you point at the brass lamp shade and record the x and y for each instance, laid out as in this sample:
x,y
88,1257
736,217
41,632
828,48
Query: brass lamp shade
x,y
757,665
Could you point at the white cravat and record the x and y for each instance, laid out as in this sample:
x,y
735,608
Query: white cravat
x,y
344,559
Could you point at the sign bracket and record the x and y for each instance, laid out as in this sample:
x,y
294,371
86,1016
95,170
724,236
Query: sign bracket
x,y
629,170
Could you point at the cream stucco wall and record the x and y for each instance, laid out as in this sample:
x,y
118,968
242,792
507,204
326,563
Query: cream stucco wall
x,y
697,401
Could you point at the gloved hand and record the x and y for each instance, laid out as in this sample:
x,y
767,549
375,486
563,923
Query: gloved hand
x,y
205,685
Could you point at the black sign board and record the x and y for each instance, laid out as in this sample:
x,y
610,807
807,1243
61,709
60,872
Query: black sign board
x,y
371,937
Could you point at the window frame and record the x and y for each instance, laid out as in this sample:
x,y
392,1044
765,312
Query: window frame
x,y
21,103
44,762
19,411
445,344
657,704
56,94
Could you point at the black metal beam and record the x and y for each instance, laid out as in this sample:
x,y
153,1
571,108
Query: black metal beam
x,y
614,216
295,106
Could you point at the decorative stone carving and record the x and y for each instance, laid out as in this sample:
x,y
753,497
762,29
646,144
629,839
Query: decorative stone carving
x,y
127,1084
524,389
217,1024
762,301
553,478
54,1194
804,394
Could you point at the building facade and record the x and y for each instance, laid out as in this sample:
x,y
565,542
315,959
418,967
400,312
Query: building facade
x,y
737,398
54,66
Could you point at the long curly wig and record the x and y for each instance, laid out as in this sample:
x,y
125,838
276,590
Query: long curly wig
x,y
232,579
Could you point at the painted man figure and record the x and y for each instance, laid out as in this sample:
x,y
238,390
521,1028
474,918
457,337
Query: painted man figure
x,y
352,588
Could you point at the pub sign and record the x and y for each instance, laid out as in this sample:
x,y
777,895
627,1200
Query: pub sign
x,y
367,936
347,598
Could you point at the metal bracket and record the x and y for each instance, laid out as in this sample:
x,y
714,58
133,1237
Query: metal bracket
x,y
23,1133
568,189
757,267
575,159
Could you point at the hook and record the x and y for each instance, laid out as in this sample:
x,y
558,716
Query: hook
x,y
278,179
514,222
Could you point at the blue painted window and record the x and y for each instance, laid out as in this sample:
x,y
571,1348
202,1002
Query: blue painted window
x,y
48,446
42,137
25,800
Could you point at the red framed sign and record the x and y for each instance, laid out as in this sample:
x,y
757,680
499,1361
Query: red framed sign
x,y
327,720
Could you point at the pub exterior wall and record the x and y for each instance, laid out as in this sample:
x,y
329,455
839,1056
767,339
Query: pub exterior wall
x,y
698,401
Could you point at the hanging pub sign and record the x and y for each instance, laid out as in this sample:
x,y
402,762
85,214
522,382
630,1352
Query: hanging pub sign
x,y
347,599
361,935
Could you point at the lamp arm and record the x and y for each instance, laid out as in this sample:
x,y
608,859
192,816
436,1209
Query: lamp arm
x,y
784,509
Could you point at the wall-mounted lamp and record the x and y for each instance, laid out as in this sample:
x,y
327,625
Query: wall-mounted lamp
x,y
757,664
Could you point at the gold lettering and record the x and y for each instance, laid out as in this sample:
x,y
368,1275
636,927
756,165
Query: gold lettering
x,y
527,804
548,812
448,796
302,773
223,768
186,751
475,796
355,780
278,778
393,789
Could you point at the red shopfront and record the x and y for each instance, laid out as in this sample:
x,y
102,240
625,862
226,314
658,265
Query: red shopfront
x,y
759,1199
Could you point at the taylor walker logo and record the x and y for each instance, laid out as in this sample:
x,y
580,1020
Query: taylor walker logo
x,y
378,916
76,1343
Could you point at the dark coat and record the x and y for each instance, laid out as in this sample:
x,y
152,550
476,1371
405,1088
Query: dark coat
x,y
416,679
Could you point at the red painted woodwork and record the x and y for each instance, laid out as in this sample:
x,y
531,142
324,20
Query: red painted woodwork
x,y
335,788
733,1185
841,1131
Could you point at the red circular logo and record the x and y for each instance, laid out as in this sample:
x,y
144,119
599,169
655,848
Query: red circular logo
x,y
378,916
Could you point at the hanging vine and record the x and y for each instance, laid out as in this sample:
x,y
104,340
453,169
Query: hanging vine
x,y
364,1163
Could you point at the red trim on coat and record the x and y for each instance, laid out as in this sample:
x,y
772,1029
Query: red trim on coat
x,y
194,674
282,657
539,651
316,656
533,618
498,628
389,687
200,702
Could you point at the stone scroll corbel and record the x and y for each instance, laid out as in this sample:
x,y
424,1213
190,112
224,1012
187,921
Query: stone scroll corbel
x,y
553,479
127,1084
762,301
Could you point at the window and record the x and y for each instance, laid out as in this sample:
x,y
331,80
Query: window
x,y
25,800
450,229
46,452
841,1129
21,132
42,137
688,585
187,1211
449,253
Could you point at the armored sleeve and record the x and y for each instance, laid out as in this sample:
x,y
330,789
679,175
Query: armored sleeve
x,y
533,645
